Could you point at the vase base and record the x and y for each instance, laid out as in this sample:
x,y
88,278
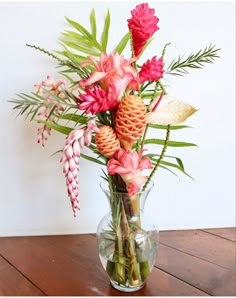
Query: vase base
x,y
127,289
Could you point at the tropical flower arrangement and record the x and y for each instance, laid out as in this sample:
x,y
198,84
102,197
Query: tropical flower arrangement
x,y
107,103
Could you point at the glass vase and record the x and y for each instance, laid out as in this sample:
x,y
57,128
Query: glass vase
x,y
127,240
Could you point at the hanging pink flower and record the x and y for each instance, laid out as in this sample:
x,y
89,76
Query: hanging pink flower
x,y
97,100
142,25
113,72
71,156
152,70
54,87
129,164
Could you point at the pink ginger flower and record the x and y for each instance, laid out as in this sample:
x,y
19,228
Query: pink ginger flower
x,y
152,70
71,156
56,88
113,73
142,25
97,100
129,165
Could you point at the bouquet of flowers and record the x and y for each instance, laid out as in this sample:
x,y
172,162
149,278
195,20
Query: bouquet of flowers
x,y
107,103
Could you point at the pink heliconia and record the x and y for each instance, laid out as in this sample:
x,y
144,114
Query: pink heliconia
x,y
55,87
113,73
142,25
71,156
151,70
129,165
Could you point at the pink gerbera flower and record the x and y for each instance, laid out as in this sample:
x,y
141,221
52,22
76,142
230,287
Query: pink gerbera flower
x,y
142,26
152,70
129,165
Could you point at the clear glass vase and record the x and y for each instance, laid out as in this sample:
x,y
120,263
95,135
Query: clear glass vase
x,y
127,240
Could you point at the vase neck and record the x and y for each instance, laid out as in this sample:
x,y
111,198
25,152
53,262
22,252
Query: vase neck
x,y
132,204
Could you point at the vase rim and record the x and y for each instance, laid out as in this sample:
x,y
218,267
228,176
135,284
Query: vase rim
x,y
104,186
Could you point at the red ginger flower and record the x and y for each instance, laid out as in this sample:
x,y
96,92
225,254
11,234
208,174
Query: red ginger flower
x,y
129,164
97,100
152,70
142,26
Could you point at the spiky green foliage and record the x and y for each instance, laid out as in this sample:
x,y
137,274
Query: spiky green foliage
x,y
182,65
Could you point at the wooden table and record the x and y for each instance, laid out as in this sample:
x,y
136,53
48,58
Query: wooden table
x,y
189,263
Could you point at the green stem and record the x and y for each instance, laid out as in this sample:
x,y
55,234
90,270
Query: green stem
x,y
144,137
78,69
129,236
159,159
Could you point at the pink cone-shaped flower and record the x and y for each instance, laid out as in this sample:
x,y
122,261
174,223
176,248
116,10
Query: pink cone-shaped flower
x,y
113,73
129,165
71,155
142,25
56,88
97,100
152,70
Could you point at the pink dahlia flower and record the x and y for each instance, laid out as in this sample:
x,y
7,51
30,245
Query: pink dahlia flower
x,y
142,25
129,164
113,73
152,70
97,100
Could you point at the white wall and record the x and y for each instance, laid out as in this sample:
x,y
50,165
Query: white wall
x,y
33,198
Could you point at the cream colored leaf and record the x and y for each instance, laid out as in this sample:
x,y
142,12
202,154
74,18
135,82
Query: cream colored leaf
x,y
170,111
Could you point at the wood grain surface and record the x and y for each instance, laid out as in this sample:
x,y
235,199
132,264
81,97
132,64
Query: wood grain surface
x,y
189,263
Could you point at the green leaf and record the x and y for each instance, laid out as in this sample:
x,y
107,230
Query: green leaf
x,y
81,49
169,143
122,44
169,170
178,160
105,32
172,127
77,38
144,48
180,163
181,65
93,23
74,117
80,28
58,151
62,129
173,165
92,159
77,59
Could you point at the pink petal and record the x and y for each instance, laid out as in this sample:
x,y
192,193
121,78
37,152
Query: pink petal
x,y
96,76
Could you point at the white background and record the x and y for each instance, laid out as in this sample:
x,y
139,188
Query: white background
x,y
33,197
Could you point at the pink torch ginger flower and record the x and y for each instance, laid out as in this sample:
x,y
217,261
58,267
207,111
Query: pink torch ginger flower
x,y
152,70
129,164
56,88
97,100
113,73
142,25
71,155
